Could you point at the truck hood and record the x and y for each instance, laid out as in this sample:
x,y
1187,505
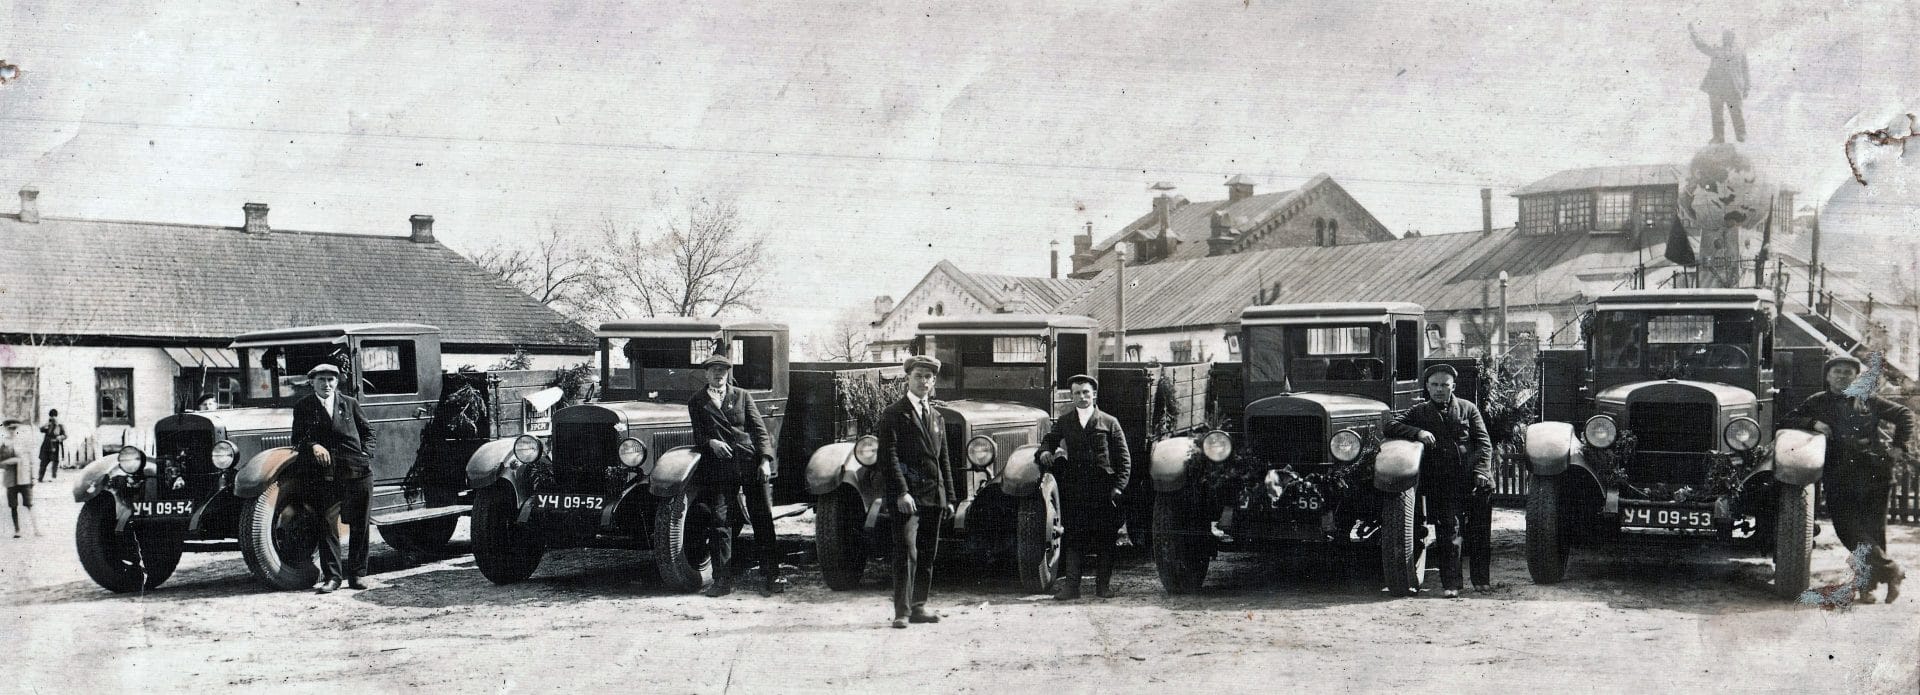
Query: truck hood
x,y
1332,405
231,422
988,414
633,414
1677,391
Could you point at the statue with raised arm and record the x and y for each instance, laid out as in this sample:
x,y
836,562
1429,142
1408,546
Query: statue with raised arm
x,y
1726,83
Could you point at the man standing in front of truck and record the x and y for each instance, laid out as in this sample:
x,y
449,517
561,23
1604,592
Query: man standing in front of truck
x,y
732,438
1091,464
333,436
1859,465
1458,462
915,464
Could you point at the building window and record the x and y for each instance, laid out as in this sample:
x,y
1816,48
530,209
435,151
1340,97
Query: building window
x,y
1655,207
1615,212
1575,212
1233,345
1333,232
1536,215
1180,350
1319,232
115,389
20,394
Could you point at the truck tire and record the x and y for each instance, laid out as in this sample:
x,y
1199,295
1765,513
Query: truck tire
x,y
839,539
1397,543
680,548
123,562
421,539
504,551
279,539
1036,542
1547,547
1792,540
1181,549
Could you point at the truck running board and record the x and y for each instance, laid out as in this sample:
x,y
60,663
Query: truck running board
x,y
422,514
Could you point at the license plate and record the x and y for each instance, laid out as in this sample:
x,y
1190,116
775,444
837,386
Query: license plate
x,y
163,508
569,502
1666,517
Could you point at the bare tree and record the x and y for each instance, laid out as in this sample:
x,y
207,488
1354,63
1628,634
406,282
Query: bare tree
x,y
845,340
705,264
555,271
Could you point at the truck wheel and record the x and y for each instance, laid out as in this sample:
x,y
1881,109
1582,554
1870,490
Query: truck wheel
x,y
1792,540
680,548
838,537
1397,556
279,539
123,562
504,551
421,539
1036,543
1546,539
1181,549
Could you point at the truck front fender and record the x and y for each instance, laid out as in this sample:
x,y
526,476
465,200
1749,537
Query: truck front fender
x,y
92,479
259,471
1169,463
829,466
1799,456
489,462
670,474
1552,448
1397,467
1021,476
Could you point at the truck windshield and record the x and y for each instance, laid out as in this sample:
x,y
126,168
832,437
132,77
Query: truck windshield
x,y
983,362
1353,352
279,373
1667,339
672,365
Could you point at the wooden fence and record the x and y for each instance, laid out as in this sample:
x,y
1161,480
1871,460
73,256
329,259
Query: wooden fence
x,y
1510,490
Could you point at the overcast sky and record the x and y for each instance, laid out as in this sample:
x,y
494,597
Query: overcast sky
x,y
872,141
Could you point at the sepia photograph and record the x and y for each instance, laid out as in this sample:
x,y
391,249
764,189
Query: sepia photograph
x,y
1197,346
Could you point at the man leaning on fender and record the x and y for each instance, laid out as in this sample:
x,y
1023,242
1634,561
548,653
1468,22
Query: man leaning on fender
x,y
1859,466
1091,464
1458,463
914,463
332,437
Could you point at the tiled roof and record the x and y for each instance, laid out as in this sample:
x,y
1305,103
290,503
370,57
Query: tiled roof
x,y
206,283
1441,272
1605,177
1192,223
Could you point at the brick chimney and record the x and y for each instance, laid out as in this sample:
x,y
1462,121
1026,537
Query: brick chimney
x,y
1486,211
30,205
1082,250
256,218
882,305
1163,204
1053,259
1221,237
422,228
1239,188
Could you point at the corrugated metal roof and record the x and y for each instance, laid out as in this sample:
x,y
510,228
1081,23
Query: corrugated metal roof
x,y
174,281
1621,176
1192,223
1015,293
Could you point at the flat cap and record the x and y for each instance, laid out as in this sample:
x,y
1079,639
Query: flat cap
x,y
719,358
1441,368
1842,359
921,361
1084,379
324,369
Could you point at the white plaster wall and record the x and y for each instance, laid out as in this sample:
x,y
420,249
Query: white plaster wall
x,y
453,361
67,383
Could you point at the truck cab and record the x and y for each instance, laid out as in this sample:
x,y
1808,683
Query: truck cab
x,y
1300,456
1668,431
614,472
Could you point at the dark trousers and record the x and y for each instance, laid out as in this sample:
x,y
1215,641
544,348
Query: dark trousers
x,y
916,541
18,494
50,463
1088,515
711,511
1455,512
344,501
1732,106
1857,502
759,494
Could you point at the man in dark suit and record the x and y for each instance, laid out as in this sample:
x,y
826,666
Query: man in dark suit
x,y
332,438
732,439
916,467
1087,454
1860,464
1458,462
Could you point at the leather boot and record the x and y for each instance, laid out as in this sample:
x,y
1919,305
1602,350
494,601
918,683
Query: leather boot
x,y
1069,581
1103,575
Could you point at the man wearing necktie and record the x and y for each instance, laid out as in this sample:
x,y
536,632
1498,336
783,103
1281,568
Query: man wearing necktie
x,y
732,439
1458,462
1860,463
1091,465
333,438
916,467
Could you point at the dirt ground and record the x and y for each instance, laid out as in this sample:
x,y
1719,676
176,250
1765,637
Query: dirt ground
x,y
1626,620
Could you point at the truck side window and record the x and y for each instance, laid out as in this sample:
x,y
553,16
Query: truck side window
x,y
1406,350
755,369
387,367
1070,351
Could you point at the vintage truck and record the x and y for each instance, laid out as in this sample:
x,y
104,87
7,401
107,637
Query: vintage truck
x,y
1003,378
217,477
1301,457
1675,395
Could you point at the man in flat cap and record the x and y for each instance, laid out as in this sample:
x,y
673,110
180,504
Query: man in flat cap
x,y
1457,463
1087,454
1859,466
333,440
916,467
734,455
